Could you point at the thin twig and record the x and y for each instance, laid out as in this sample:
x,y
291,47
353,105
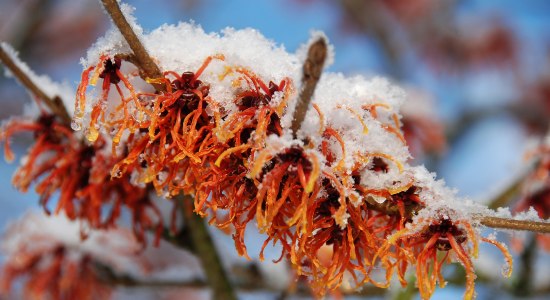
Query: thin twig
x,y
508,194
371,18
54,104
313,67
494,222
505,223
523,285
146,64
207,252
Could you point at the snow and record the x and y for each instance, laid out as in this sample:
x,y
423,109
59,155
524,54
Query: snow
x,y
314,36
115,247
185,46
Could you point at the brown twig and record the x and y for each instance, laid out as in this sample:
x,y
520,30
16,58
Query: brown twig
x,y
505,223
54,104
313,67
206,252
146,64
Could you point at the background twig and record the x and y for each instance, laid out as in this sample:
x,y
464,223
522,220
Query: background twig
x,y
54,104
523,286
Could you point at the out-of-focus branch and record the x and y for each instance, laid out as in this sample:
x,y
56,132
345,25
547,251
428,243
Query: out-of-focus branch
x,y
34,14
206,251
54,104
146,64
527,114
370,18
108,276
313,67
508,194
180,240
524,284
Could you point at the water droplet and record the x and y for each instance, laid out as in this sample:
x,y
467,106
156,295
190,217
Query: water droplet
x,y
116,172
76,125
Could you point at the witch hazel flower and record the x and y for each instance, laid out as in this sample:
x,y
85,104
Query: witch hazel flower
x,y
59,265
60,161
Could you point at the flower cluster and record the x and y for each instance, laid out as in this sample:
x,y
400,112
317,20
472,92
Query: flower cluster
x,y
221,133
60,162
50,267
54,275
421,243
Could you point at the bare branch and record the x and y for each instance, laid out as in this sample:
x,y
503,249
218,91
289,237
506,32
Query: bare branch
x,y
505,223
371,18
54,104
146,64
313,67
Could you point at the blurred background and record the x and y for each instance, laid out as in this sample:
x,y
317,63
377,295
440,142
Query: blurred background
x,y
477,73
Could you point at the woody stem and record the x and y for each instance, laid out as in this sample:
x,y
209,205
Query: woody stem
x,y
311,72
144,61
206,251
504,223
54,104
